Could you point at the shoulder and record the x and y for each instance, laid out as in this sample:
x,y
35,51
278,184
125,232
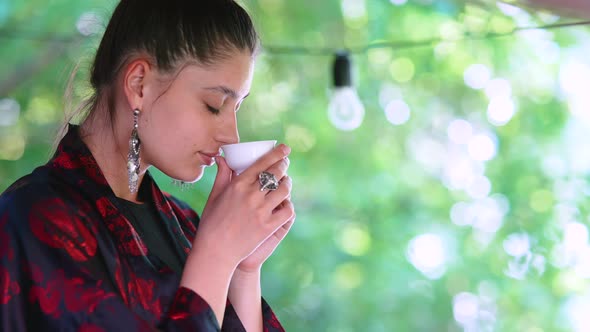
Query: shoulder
x,y
37,198
37,185
24,202
46,215
26,191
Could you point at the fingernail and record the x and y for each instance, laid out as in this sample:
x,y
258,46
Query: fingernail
x,y
285,148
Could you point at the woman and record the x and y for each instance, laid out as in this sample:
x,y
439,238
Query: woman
x,y
88,242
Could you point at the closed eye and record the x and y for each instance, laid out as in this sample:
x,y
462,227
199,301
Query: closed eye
x,y
212,109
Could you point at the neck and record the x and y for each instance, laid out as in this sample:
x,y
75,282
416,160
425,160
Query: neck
x,y
109,144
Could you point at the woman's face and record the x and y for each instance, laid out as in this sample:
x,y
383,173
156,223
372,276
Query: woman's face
x,y
185,122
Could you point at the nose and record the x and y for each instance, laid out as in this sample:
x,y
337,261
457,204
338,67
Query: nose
x,y
227,133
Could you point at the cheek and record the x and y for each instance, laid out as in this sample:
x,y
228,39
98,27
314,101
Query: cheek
x,y
169,114
190,130
181,125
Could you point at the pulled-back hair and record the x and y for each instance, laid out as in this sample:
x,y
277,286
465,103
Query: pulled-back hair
x,y
169,32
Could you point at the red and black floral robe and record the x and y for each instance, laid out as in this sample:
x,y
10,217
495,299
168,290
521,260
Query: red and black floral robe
x,y
70,261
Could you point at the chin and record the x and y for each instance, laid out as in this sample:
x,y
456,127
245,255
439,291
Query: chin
x,y
197,178
190,176
197,174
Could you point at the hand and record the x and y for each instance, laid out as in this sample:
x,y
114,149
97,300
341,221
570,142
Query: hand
x,y
238,218
254,262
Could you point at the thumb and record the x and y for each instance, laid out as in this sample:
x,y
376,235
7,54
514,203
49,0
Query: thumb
x,y
222,179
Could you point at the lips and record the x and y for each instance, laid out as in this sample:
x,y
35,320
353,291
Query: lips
x,y
209,157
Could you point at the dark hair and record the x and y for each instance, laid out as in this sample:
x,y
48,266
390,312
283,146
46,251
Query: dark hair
x,y
169,32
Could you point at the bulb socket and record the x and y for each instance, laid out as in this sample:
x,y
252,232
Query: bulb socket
x,y
342,70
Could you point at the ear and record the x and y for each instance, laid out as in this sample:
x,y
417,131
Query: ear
x,y
134,82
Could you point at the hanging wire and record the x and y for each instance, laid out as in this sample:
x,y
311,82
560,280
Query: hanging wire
x,y
407,44
35,37
323,51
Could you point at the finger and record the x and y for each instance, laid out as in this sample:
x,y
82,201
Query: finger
x,y
279,169
282,215
281,205
283,230
288,198
222,179
274,198
266,161
275,238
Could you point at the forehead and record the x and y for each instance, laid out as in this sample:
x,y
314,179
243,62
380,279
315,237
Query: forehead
x,y
233,72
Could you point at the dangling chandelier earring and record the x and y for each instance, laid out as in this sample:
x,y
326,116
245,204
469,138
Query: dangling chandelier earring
x,y
133,156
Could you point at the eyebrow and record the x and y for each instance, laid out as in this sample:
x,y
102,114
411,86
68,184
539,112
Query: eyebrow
x,y
225,90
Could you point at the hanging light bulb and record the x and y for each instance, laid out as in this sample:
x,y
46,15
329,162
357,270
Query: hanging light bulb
x,y
346,112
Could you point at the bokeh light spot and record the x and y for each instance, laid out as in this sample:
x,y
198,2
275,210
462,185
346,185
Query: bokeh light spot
x,y
12,146
397,112
354,240
9,112
482,147
428,254
541,200
460,131
348,276
477,76
402,69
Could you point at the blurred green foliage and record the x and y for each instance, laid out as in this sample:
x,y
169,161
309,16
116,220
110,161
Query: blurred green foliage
x,y
432,224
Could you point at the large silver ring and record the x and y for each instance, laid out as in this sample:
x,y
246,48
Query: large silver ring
x,y
268,181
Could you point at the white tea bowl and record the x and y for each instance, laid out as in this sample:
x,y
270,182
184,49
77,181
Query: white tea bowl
x,y
240,156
